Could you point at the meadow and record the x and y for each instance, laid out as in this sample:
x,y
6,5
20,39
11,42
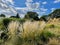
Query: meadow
x,y
30,32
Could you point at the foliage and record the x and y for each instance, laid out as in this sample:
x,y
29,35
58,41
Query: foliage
x,y
55,14
50,26
2,27
2,15
17,16
45,35
12,17
32,15
44,18
6,22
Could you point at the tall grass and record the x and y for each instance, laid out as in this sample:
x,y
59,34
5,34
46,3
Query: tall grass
x,y
13,32
53,41
34,33
55,24
13,27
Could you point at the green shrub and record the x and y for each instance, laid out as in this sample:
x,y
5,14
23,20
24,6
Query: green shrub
x,y
2,27
15,19
6,21
50,26
45,35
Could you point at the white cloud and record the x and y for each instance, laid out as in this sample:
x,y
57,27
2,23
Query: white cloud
x,y
36,5
21,10
56,1
43,9
22,15
8,1
44,2
3,5
52,9
11,1
29,0
32,6
6,8
42,13
29,7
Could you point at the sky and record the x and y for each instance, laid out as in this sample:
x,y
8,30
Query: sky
x,y
42,7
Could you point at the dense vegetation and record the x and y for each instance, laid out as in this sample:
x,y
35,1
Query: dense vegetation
x,y
30,30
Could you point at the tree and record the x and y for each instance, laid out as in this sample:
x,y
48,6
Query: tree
x,y
55,14
2,15
17,16
12,16
6,21
31,15
44,18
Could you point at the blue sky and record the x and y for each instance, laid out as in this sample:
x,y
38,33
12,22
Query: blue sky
x,y
42,7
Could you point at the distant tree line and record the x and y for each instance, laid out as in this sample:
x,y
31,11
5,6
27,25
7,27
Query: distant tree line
x,y
17,16
34,16
2,15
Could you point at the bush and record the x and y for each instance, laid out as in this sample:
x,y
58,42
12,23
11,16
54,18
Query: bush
x,y
50,26
45,35
6,22
2,27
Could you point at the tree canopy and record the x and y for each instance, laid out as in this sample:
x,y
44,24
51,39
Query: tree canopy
x,y
17,16
44,18
31,15
2,15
